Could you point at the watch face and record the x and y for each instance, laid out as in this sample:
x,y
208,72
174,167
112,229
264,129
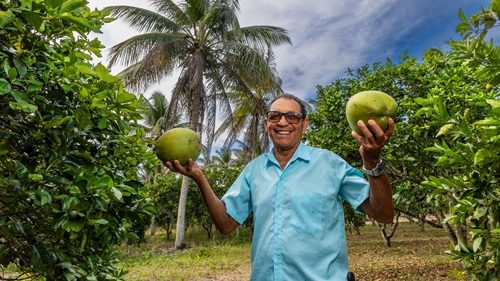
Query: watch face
x,y
377,171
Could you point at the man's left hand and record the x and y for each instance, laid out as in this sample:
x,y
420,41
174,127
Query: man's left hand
x,y
372,141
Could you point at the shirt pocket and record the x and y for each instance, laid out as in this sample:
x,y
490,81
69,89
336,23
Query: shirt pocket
x,y
307,212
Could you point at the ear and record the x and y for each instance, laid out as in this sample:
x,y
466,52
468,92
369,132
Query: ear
x,y
304,125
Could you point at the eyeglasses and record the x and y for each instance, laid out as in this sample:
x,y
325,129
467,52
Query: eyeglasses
x,y
291,117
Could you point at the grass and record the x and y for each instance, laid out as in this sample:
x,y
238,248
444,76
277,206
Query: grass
x,y
415,255
205,259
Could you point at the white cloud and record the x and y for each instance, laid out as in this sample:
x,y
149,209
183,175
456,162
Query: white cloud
x,y
328,36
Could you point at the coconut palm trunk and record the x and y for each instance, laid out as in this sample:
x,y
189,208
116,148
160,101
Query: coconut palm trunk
x,y
180,229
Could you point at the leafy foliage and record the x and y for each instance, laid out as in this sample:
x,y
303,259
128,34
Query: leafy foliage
x,y
70,146
469,121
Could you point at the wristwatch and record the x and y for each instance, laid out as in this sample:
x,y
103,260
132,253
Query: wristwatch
x,y
375,172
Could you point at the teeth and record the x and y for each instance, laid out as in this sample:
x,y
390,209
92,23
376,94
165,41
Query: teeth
x,y
283,132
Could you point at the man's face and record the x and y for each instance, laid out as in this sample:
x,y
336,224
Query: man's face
x,y
285,135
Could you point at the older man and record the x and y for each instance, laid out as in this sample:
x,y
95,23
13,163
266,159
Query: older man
x,y
295,193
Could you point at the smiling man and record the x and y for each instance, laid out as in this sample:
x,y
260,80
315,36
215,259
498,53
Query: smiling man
x,y
295,193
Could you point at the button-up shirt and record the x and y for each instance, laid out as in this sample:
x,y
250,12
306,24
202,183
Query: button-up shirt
x,y
299,231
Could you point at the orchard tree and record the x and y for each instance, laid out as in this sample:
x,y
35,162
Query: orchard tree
x,y
70,146
164,190
467,151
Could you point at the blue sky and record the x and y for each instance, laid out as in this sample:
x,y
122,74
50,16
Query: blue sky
x,y
330,36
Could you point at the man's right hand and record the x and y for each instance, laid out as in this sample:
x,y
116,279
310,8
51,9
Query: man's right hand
x,y
191,169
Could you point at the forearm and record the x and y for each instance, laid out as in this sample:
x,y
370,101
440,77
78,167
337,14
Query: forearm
x,y
379,204
223,222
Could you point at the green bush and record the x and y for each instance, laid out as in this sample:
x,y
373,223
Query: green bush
x,y
70,146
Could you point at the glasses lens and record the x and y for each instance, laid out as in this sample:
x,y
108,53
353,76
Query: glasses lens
x,y
274,116
291,117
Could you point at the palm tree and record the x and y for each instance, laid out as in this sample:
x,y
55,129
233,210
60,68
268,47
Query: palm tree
x,y
203,39
155,114
223,157
247,119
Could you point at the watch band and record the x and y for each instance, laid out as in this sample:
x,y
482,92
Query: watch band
x,y
375,172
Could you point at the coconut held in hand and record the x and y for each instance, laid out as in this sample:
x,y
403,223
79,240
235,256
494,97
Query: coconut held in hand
x,y
367,105
178,144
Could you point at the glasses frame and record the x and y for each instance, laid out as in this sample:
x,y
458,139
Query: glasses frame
x,y
288,115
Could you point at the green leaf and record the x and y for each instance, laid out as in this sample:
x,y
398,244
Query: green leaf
x,y
22,106
69,203
4,86
99,221
12,72
495,6
6,18
35,177
80,21
461,15
45,197
41,259
57,122
84,68
477,244
18,226
22,69
84,241
117,194
480,212
488,122
21,171
104,75
445,130
74,190
124,97
4,147
493,103
82,116
19,96
34,19
463,247
102,123
483,155
75,225
69,5
104,181
5,255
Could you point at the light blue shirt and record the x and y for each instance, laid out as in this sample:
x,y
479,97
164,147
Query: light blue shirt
x,y
299,231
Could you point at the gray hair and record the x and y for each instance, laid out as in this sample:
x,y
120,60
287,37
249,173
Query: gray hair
x,y
302,105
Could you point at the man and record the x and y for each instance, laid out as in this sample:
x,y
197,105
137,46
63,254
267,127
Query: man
x,y
295,193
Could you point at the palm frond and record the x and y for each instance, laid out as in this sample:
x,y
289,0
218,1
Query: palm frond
x,y
172,10
261,36
137,47
144,20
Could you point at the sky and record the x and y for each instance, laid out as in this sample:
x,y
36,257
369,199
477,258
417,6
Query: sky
x,y
330,36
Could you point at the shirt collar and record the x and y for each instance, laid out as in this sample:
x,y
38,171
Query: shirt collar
x,y
302,152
